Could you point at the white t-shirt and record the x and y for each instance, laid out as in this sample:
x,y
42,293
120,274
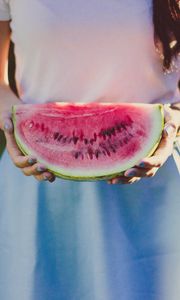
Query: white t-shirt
x,y
83,51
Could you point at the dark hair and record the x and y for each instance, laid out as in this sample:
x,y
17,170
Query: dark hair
x,y
166,18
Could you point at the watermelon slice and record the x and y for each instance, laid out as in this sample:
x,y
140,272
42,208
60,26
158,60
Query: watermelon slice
x,y
88,141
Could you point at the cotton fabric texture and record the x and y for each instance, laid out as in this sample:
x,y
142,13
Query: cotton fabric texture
x,y
88,240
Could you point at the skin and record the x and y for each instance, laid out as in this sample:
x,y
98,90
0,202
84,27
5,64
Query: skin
x,y
29,165
149,166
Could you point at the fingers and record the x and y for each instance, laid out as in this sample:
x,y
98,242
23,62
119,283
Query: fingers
x,y
149,166
27,164
23,161
164,149
141,172
6,123
36,169
40,172
12,147
8,126
45,176
166,144
151,162
123,180
16,155
134,175
170,129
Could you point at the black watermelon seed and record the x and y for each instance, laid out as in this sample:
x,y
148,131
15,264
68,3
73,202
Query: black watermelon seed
x,y
85,141
75,139
55,135
108,132
103,134
113,131
95,136
91,141
90,152
108,152
104,152
76,155
97,153
64,139
60,137
105,148
70,140
113,148
118,127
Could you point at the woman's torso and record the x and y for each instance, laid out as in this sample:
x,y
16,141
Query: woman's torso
x,y
88,51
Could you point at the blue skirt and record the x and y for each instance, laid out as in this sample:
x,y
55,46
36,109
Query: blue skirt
x,y
89,240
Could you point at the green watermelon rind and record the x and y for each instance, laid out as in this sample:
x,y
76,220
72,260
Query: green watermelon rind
x,y
51,169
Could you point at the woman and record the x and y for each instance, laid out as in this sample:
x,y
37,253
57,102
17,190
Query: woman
x,y
90,240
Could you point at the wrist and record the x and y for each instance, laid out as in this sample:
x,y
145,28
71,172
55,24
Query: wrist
x,y
175,106
172,114
7,98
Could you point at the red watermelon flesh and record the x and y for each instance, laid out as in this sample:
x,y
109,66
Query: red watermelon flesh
x,y
88,141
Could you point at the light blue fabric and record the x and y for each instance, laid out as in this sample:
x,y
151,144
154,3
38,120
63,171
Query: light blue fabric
x,y
89,240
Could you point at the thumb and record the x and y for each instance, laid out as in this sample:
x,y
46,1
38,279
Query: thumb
x,y
170,129
7,125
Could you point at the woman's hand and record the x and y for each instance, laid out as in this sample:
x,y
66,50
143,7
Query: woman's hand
x,y
149,166
28,165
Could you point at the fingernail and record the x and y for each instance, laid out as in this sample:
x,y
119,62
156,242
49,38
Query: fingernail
x,y
169,129
6,127
109,182
142,165
41,169
48,177
130,174
32,161
52,179
114,181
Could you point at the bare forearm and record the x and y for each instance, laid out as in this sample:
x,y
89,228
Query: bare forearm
x,y
175,106
176,111
7,98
